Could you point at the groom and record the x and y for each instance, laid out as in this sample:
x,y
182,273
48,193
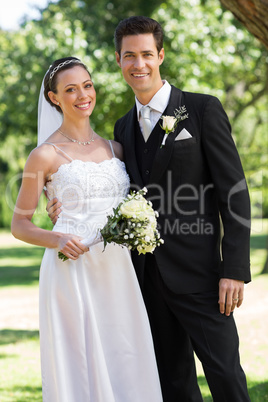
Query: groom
x,y
192,283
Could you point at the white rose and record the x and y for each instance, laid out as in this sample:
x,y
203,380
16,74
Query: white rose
x,y
147,233
168,122
132,208
137,209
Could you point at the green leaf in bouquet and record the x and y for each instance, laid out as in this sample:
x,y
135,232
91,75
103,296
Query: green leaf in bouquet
x,y
62,256
113,225
105,243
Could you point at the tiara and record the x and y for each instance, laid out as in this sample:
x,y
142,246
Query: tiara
x,y
59,66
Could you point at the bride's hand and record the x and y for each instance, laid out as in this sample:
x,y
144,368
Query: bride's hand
x,y
71,246
53,210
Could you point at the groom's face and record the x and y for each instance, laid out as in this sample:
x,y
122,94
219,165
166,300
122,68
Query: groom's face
x,y
139,61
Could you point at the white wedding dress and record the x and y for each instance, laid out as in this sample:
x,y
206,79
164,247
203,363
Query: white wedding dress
x,y
95,338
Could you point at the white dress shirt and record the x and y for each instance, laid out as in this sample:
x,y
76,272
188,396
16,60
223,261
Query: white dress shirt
x,y
158,104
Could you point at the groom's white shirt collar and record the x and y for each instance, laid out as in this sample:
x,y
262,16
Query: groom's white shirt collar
x,y
158,103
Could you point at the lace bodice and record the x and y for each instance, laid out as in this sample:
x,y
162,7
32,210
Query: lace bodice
x,y
80,180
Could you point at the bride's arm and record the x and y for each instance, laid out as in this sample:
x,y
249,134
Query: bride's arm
x,y
35,173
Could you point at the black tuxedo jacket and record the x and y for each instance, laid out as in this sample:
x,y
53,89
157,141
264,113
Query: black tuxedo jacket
x,y
194,183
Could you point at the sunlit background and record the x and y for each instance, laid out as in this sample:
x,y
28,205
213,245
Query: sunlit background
x,y
12,12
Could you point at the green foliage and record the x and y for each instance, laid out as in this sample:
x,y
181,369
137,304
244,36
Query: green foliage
x,y
206,49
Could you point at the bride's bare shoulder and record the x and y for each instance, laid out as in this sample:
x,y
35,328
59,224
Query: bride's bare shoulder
x,y
41,155
43,151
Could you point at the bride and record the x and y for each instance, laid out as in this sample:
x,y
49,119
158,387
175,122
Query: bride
x,y
95,338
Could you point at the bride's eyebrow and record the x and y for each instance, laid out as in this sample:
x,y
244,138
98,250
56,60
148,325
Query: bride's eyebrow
x,y
73,85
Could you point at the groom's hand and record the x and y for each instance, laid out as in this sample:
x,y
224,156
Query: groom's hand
x,y
231,293
53,210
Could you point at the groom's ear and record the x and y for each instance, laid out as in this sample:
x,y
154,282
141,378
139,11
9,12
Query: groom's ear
x,y
117,57
161,56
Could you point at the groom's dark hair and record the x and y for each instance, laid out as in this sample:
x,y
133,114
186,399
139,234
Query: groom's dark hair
x,y
136,26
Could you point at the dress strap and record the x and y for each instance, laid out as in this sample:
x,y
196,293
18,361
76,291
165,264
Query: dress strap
x,y
111,146
55,146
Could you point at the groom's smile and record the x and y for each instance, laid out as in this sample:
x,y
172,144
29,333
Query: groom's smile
x,y
140,75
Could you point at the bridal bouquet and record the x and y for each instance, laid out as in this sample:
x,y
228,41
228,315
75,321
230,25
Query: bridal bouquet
x,y
133,224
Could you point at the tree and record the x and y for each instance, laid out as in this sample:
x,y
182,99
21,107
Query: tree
x,y
253,14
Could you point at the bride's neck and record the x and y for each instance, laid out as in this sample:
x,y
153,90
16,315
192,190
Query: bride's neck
x,y
76,129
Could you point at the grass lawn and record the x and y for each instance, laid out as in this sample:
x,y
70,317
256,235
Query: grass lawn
x,y
20,376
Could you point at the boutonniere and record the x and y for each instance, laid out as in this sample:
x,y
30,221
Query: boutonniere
x,y
171,122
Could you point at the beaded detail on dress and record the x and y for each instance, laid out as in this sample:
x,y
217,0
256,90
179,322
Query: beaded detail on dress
x,y
86,180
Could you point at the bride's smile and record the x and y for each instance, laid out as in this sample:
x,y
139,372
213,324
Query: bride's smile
x,y
83,106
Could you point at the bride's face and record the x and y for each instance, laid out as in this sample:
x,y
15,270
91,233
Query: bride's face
x,y
75,93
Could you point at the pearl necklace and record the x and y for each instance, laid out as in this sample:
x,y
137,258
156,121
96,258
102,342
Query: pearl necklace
x,y
78,142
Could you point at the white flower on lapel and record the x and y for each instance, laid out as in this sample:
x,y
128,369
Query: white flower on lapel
x,y
170,122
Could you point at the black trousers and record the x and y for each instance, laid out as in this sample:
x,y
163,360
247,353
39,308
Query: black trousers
x,y
183,323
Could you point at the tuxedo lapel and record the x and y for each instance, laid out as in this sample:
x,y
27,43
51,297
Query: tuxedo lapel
x,y
163,154
130,153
